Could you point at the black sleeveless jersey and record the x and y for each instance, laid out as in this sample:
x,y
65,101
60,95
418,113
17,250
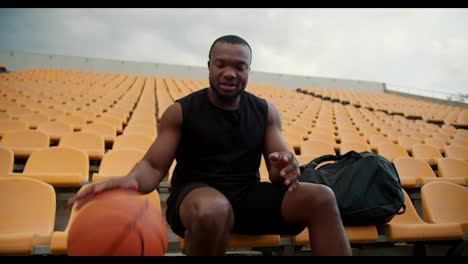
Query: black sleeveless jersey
x,y
220,147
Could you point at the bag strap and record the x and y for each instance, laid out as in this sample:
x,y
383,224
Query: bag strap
x,y
350,154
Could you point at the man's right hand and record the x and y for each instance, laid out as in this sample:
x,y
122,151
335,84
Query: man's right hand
x,y
87,194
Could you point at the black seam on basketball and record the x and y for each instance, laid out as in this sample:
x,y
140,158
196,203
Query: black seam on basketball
x,y
142,241
127,229
160,238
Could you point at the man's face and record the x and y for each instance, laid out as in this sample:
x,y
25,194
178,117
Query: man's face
x,y
229,68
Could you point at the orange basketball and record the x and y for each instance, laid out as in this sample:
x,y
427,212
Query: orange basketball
x,y
118,223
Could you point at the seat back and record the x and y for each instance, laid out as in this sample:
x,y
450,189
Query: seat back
x,y
58,160
457,152
83,140
449,167
316,148
391,151
356,146
426,152
28,139
55,130
445,202
132,141
410,216
26,205
141,129
8,125
120,162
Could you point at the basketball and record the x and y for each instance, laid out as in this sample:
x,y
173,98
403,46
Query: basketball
x,y
118,223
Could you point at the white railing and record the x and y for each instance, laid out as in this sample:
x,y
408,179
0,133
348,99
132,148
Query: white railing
x,y
426,93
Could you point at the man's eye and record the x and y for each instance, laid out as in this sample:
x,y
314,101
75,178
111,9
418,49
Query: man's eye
x,y
241,67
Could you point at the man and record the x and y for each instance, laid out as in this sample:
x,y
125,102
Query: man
x,y
218,136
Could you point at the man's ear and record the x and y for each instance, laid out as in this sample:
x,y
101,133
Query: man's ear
x,y
208,63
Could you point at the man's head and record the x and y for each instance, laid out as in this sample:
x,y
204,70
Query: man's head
x,y
229,66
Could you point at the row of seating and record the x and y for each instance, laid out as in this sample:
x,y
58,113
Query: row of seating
x,y
29,222
394,104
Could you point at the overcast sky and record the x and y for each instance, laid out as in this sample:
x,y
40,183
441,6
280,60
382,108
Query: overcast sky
x,y
412,48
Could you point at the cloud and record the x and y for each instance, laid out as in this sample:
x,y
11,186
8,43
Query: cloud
x,y
420,48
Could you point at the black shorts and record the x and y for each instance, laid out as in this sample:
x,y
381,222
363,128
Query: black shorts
x,y
257,209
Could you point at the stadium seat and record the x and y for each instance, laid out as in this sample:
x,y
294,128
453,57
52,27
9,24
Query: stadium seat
x,y
355,234
412,171
93,144
23,143
456,152
132,141
58,166
117,163
35,119
409,227
376,140
456,170
55,130
147,130
407,142
445,203
115,122
390,151
345,147
426,152
28,209
436,142
316,148
8,125
76,121
102,128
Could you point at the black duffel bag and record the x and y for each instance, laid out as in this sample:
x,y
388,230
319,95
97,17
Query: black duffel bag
x,y
366,186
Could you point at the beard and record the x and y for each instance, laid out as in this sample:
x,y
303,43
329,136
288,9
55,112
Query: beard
x,y
228,99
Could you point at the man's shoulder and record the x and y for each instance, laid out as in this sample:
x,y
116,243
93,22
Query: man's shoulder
x,y
256,99
254,96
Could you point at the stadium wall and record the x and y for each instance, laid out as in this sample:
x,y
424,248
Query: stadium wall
x,y
17,61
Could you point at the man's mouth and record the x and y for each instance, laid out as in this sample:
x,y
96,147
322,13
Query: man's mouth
x,y
228,86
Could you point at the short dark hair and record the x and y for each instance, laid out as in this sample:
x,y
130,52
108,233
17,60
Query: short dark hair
x,y
232,39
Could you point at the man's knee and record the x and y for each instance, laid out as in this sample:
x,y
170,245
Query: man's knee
x,y
323,196
311,197
205,215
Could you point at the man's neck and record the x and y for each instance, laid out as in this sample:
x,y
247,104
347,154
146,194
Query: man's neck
x,y
214,99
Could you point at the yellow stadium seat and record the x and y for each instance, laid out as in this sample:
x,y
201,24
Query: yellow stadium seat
x,y
117,163
453,169
28,209
55,130
445,203
23,143
58,166
132,141
409,227
8,125
91,143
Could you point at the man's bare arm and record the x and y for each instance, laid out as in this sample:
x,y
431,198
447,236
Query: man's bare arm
x,y
150,171
147,173
275,143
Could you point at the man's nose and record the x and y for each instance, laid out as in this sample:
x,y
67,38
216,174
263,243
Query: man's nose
x,y
229,73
